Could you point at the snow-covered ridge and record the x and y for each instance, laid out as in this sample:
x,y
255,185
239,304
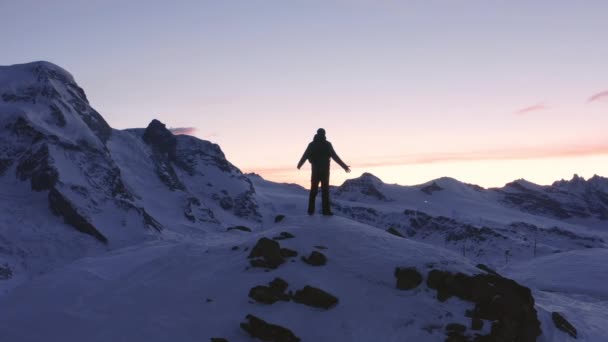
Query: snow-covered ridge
x,y
119,187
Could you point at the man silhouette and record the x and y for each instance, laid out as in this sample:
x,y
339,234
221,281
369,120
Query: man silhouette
x,y
318,153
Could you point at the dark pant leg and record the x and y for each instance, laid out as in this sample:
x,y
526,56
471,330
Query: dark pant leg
x,y
325,192
314,188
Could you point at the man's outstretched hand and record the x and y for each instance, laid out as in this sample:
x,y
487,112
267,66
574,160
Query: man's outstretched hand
x,y
347,169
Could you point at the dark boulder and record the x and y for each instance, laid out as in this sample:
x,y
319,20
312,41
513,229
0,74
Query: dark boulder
x,y
258,328
407,278
266,254
562,324
315,259
279,218
274,292
315,297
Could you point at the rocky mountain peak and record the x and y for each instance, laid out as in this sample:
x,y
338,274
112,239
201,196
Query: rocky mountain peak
x,y
160,138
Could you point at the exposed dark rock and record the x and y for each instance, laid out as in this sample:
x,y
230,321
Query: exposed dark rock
x,y
267,254
160,138
562,324
5,272
61,206
315,297
487,269
279,218
219,339
394,231
274,292
38,169
429,189
288,253
315,259
407,278
57,116
476,323
502,300
265,331
234,248
367,185
241,228
455,327
283,236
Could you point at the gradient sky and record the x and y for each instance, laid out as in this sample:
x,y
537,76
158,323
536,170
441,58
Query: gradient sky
x,y
482,91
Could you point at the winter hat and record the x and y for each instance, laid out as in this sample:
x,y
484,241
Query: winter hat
x,y
321,132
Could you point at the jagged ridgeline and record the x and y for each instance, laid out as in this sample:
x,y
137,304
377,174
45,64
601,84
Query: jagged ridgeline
x,y
111,184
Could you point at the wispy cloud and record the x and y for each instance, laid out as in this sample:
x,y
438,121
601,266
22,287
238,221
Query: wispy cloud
x,y
599,96
534,108
183,130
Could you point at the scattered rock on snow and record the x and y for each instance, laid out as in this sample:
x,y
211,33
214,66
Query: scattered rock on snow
x,y
407,278
279,218
315,259
265,331
219,339
562,324
274,292
315,297
241,228
267,254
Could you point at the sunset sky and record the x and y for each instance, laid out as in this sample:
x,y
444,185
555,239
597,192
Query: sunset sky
x,y
482,91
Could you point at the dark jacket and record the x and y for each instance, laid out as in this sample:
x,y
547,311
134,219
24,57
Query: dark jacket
x,y
319,152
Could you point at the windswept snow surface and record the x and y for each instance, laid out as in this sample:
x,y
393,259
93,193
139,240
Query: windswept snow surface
x,y
174,291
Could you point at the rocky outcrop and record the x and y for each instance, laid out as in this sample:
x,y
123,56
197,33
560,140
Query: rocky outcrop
x,y
562,324
258,328
407,278
62,207
367,185
509,305
429,189
37,167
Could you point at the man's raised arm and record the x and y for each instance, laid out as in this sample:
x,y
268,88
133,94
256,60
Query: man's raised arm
x,y
335,157
304,157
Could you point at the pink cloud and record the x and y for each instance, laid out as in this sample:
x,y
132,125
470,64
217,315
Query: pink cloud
x,y
183,130
534,108
599,96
